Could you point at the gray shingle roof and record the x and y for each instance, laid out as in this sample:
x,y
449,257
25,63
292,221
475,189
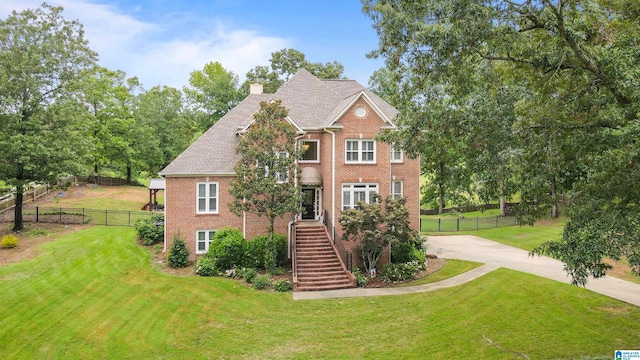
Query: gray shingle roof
x,y
312,104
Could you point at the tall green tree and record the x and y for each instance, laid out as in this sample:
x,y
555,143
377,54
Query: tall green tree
x,y
267,177
168,126
284,64
43,127
578,61
110,97
212,92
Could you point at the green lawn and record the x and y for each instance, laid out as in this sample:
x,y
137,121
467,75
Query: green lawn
x,y
524,237
95,294
450,269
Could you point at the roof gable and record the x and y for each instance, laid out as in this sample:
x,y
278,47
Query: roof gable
x,y
312,104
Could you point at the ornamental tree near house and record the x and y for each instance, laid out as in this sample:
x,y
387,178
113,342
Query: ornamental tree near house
x,y
267,177
374,227
43,125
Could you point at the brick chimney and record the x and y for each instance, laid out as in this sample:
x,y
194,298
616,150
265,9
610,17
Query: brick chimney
x,y
255,88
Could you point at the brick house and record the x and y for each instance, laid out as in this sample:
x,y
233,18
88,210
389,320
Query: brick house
x,y
342,163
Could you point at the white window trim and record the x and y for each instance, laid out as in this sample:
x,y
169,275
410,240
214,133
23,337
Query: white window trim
x,y
360,142
369,187
393,152
207,242
317,151
393,194
207,197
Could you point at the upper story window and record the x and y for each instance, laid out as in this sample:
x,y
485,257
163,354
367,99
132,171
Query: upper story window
x,y
281,176
352,194
396,155
310,151
360,151
207,198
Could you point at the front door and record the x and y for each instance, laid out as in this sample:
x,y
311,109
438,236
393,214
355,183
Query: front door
x,y
308,204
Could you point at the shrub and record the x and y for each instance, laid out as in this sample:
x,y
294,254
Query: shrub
x,y
282,285
261,282
147,230
401,252
361,279
228,249
259,251
9,241
38,232
400,272
248,274
178,253
206,267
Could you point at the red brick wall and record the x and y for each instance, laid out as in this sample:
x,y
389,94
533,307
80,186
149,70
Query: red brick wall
x,y
180,194
181,217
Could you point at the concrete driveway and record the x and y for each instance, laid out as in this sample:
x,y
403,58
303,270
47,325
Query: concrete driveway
x,y
494,255
473,248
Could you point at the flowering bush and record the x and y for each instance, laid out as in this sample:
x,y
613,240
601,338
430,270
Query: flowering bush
x,y
400,272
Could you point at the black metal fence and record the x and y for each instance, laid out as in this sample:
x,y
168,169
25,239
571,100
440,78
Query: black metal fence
x,y
84,216
453,224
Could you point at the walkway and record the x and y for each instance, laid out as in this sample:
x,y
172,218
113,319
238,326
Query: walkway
x,y
494,255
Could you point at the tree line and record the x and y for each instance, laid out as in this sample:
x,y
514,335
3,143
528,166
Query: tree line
x,y
61,113
534,97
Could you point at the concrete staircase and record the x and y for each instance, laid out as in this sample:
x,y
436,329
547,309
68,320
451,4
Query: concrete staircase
x,y
317,261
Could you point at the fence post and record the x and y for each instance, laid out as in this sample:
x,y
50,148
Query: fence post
x,y
106,218
129,218
60,213
458,224
37,214
497,217
438,224
82,216
477,225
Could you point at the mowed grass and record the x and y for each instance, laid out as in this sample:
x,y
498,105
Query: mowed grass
x,y
525,237
95,294
450,269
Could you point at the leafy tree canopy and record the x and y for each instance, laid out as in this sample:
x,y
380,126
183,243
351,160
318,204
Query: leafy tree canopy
x,y
266,182
212,92
43,129
284,64
576,65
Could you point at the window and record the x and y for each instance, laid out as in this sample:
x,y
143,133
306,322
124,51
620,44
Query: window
x,y
396,189
360,151
354,193
207,198
203,239
311,151
281,177
396,154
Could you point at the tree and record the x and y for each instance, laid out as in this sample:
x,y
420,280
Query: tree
x,y
267,177
213,92
374,227
120,142
576,60
43,127
169,127
284,64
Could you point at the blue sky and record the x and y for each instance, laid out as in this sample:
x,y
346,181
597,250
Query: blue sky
x,y
162,41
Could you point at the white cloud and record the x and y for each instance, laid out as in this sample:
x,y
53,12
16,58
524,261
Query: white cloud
x,y
159,54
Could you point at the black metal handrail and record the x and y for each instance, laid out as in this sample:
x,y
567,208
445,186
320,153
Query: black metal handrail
x,y
345,255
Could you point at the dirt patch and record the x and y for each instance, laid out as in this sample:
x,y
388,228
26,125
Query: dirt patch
x,y
31,238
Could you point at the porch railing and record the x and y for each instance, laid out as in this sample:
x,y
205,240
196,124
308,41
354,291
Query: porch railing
x,y
345,255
